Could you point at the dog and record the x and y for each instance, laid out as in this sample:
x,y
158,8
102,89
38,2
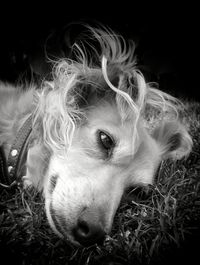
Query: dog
x,y
93,131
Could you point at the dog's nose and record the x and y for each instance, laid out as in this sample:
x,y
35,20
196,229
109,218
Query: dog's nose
x,y
89,229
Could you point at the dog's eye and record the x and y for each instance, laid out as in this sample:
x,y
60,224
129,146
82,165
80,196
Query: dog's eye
x,y
106,141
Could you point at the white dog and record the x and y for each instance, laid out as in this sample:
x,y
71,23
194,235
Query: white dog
x,y
84,138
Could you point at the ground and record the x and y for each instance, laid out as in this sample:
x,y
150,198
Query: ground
x,y
158,225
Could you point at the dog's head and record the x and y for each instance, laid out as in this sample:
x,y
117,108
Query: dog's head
x,y
92,141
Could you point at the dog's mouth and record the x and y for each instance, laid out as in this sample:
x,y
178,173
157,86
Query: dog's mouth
x,y
57,222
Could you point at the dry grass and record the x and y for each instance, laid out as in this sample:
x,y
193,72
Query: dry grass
x,y
157,225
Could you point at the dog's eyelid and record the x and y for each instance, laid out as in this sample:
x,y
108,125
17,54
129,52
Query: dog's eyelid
x,y
106,142
106,133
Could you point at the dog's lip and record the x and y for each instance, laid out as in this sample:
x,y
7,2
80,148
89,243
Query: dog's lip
x,y
61,232
56,222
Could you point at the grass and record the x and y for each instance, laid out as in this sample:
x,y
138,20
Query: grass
x,y
158,225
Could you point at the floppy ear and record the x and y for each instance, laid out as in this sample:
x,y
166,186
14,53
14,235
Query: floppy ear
x,y
174,140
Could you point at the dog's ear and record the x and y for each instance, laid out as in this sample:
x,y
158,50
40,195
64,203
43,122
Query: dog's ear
x,y
37,162
174,140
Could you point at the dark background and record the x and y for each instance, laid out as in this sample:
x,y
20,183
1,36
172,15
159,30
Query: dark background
x,y
167,38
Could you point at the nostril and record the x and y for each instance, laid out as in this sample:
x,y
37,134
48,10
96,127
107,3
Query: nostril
x,y
88,233
83,228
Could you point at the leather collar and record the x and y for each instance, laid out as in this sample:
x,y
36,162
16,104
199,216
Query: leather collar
x,y
12,169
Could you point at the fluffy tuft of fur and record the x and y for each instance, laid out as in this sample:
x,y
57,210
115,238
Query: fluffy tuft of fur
x,y
105,70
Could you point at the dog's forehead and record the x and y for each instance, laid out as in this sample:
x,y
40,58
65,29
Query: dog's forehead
x,y
106,116
104,113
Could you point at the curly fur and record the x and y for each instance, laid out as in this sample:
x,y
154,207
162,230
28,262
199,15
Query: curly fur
x,y
57,101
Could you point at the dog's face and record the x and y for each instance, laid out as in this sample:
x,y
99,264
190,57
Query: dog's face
x,y
83,187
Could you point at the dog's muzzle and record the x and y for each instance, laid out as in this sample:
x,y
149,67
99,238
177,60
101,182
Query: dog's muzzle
x,y
87,231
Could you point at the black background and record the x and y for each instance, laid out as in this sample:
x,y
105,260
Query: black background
x,y
167,37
